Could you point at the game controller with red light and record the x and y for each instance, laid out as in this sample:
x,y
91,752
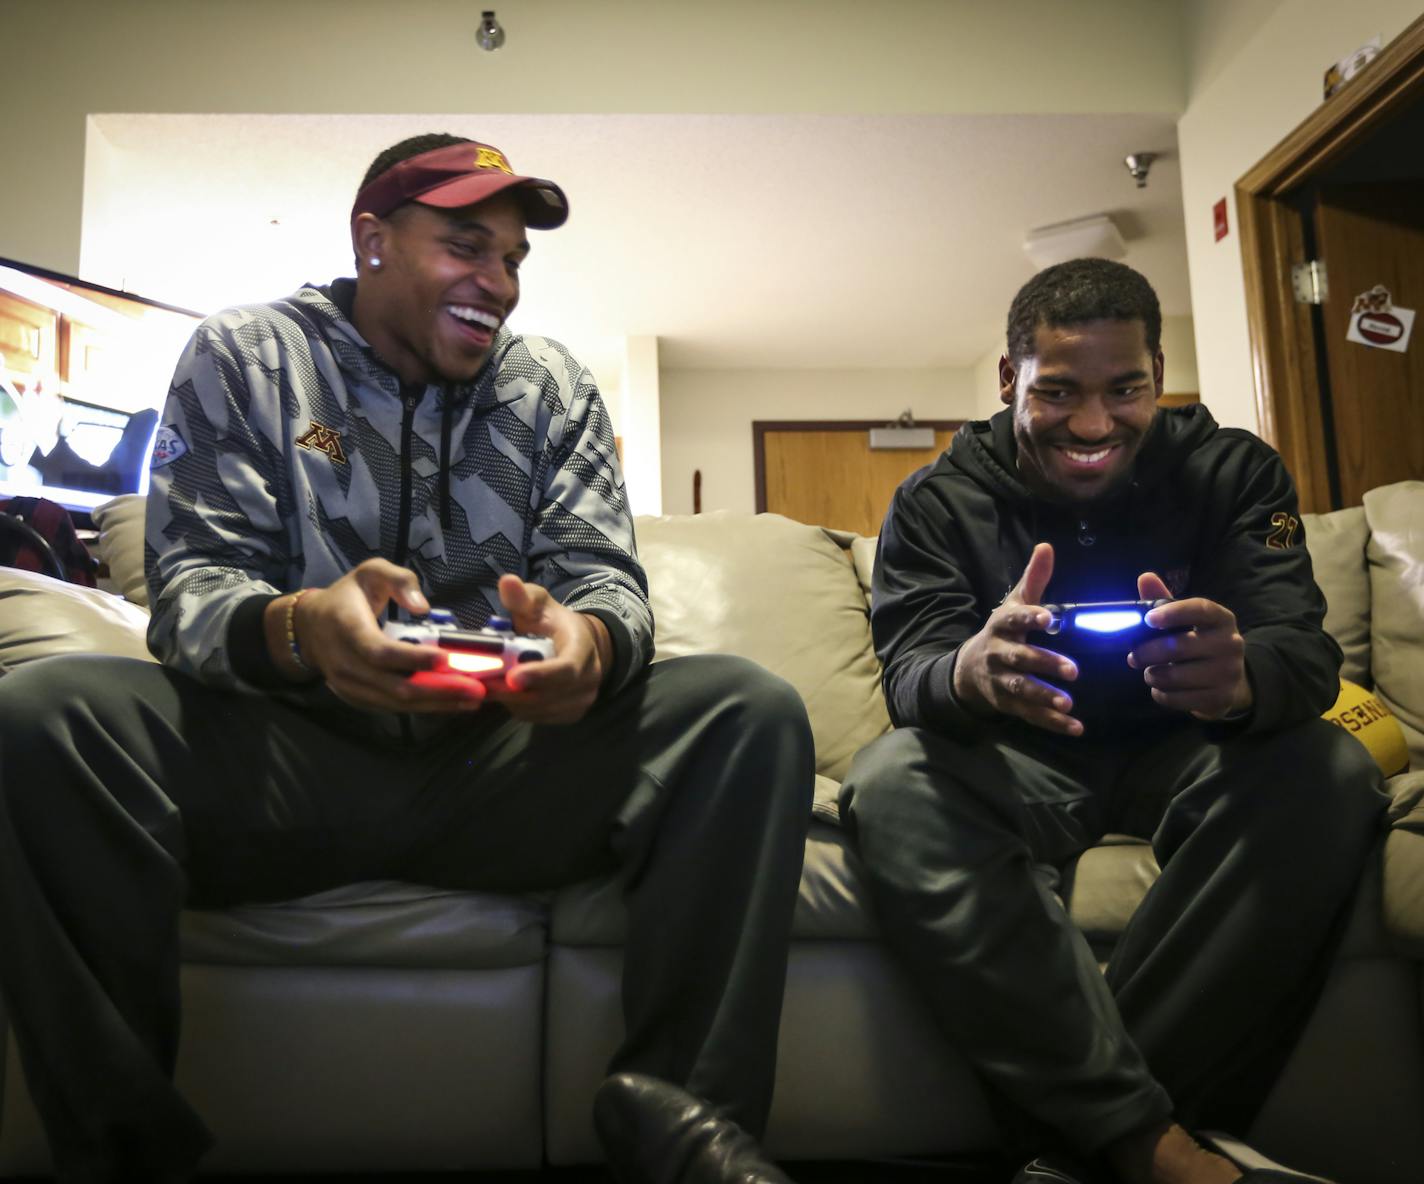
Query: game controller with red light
x,y
1108,626
485,655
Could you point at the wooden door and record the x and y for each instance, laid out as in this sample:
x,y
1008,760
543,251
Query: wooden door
x,y
1286,363
1370,234
827,474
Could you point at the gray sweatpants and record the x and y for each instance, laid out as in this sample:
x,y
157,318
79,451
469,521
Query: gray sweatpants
x,y
128,792
1261,840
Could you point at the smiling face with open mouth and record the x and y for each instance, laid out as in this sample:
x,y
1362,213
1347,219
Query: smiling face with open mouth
x,y
446,281
1082,403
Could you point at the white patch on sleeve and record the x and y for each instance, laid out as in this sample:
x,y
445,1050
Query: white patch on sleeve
x,y
168,446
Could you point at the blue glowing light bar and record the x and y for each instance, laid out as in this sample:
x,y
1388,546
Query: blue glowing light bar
x,y
1110,621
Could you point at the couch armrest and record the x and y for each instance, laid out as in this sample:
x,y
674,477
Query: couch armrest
x,y
1336,542
1396,566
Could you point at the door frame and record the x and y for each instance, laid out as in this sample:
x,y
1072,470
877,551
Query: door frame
x,y
1285,364
760,427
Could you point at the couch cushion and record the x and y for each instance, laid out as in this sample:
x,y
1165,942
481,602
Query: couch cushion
x,y
1105,887
862,554
120,523
40,616
378,923
782,594
1395,514
1336,543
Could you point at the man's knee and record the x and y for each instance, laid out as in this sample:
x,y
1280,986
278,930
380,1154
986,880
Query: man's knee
x,y
54,727
877,783
1313,789
910,786
1322,765
740,690
747,715
749,685
38,699
1343,786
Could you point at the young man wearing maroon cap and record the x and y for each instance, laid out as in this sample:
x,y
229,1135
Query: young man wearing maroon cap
x,y
351,454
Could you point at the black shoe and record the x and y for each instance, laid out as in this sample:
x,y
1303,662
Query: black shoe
x,y
1255,1167
656,1133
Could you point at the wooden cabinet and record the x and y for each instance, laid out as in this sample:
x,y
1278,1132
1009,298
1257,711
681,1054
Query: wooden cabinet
x,y
29,337
83,351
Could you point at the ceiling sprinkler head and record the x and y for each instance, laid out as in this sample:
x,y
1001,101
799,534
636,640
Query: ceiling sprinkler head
x,y
1137,164
491,34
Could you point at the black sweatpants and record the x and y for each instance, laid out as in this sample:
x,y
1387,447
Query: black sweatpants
x,y
128,791
1261,840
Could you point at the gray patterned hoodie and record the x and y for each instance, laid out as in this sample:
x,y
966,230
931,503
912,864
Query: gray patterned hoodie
x,y
288,453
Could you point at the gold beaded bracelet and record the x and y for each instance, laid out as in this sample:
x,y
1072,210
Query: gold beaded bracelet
x,y
292,646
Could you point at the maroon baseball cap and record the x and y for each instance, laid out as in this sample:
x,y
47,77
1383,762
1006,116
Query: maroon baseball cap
x,y
460,175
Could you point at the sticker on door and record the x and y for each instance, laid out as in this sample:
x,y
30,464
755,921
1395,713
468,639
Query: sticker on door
x,y
1376,321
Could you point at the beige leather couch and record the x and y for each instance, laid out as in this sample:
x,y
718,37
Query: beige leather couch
x,y
391,1026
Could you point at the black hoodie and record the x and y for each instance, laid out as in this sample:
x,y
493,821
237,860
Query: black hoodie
x,y
1211,510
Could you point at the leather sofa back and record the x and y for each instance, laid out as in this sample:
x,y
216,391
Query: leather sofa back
x,y
778,592
1395,514
1336,542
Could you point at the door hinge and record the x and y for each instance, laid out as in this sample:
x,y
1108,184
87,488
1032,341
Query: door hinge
x,y
1308,280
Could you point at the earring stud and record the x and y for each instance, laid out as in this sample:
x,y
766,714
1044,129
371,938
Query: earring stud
x,y
375,261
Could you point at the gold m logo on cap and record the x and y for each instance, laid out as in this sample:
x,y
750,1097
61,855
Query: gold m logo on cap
x,y
492,158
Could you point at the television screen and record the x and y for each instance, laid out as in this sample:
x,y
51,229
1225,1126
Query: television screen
x,y
84,371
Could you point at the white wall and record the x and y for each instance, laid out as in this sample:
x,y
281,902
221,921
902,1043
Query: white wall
x,y
707,417
103,227
638,422
1253,81
986,382
1179,355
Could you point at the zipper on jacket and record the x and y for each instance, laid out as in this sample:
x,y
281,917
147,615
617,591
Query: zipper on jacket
x,y
410,400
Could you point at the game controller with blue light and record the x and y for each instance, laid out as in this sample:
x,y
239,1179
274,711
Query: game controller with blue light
x,y
1103,627
484,655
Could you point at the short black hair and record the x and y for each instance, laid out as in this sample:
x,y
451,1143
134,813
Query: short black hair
x,y
1078,291
412,146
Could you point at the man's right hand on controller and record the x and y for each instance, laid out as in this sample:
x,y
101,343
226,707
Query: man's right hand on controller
x,y
561,689
340,638
998,673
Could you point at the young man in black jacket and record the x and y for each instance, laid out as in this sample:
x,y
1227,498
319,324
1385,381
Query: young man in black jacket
x,y
1010,758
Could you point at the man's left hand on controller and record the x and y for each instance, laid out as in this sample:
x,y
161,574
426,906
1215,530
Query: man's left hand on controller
x,y
1201,670
561,689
